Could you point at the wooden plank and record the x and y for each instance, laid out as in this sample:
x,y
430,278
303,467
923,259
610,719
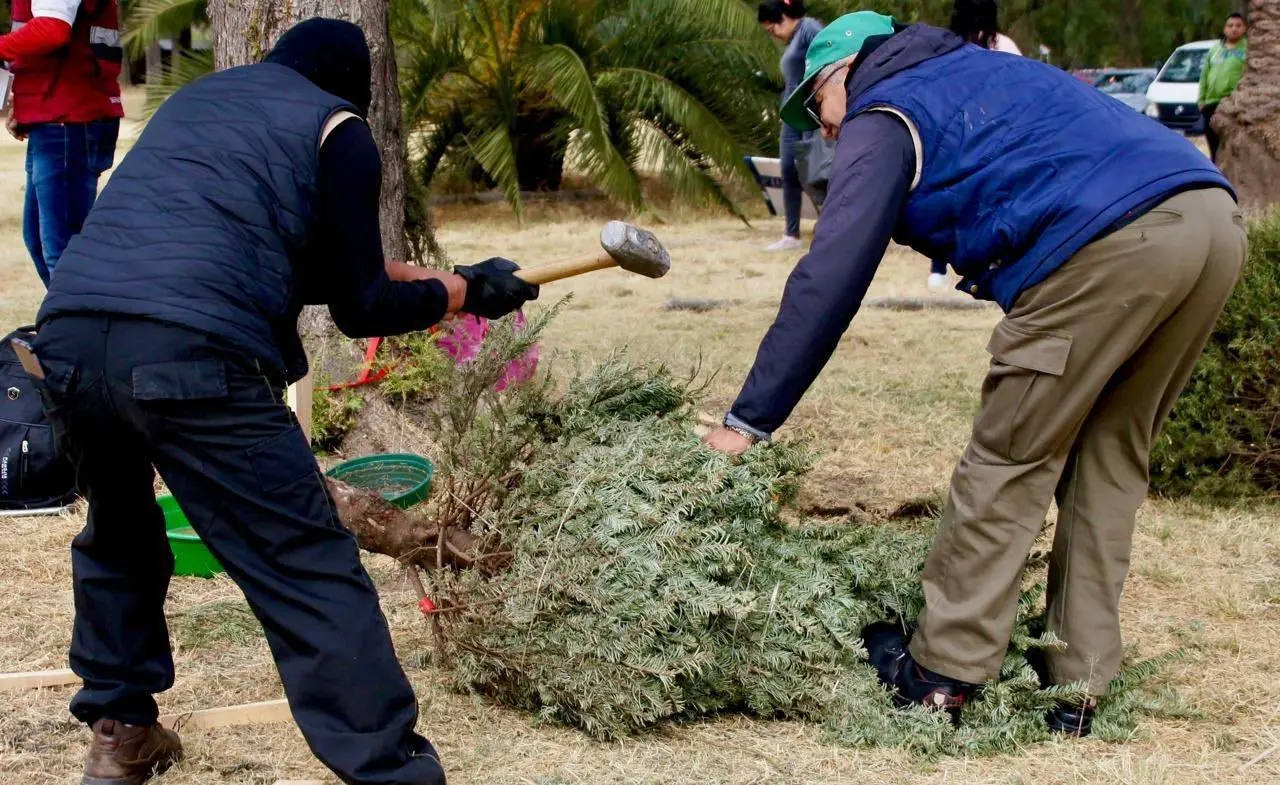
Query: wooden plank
x,y
33,679
244,714
299,397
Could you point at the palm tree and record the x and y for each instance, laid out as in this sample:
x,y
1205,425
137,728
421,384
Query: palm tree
x,y
514,88
1249,120
148,21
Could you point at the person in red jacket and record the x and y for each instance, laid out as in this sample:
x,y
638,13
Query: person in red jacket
x,y
65,56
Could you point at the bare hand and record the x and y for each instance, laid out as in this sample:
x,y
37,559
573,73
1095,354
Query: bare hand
x,y
727,441
12,125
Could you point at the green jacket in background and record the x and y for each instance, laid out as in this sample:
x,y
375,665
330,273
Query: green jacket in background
x,y
1222,70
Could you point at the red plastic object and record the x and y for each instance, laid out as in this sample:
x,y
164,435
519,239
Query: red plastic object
x,y
426,606
367,374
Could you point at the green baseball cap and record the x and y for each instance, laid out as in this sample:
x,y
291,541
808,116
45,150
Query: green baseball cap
x,y
842,38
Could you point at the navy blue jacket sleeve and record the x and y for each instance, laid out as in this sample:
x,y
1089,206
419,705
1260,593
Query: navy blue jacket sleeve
x,y
870,180
347,271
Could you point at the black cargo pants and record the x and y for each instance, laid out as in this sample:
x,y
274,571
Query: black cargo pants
x,y
124,395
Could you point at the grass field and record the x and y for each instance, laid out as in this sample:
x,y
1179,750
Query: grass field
x,y
891,414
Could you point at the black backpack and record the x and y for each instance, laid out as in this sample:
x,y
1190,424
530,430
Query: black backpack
x,y
32,473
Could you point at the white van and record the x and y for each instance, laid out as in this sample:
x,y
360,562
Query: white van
x,y
1173,97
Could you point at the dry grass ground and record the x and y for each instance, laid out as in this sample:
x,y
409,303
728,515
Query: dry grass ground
x,y
891,413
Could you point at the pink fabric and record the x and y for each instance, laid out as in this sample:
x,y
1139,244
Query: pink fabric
x,y
462,337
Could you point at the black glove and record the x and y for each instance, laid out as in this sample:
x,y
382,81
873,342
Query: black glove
x,y
493,290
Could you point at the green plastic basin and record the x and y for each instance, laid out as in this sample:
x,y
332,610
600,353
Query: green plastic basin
x,y
402,478
190,555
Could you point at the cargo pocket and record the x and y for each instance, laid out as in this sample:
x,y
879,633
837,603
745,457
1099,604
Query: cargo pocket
x,y
1022,392
282,460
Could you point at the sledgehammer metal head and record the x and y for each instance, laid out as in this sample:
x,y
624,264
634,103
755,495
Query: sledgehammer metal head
x,y
633,249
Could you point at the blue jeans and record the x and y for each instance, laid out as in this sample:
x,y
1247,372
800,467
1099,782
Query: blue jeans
x,y
64,162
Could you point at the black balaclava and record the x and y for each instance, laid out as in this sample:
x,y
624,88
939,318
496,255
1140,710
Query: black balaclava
x,y
331,53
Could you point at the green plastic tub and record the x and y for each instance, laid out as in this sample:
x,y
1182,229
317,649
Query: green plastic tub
x,y
190,555
402,478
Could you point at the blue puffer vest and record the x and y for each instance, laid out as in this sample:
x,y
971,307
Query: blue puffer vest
x,y
1023,164
202,221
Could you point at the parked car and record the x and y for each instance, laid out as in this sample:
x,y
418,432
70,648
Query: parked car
x,y
1173,96
1127,85
1087,75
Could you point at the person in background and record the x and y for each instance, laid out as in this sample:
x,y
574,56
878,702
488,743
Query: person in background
x,y
977,21
785,20
1223,67
65,56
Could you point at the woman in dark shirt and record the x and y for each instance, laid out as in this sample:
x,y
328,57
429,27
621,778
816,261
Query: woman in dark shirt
x,y
785,20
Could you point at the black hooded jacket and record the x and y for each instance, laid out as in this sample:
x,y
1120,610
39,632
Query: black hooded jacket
x,y
227,216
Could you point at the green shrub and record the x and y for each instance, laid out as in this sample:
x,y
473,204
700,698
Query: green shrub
x,y
419,367
1223,438
333,415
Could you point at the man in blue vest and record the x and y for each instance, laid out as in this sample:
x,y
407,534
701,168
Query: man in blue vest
x,y
167,338
1111,244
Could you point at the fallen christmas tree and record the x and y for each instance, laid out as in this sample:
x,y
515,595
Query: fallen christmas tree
x,y
587,559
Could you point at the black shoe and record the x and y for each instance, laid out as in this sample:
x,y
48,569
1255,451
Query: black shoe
x,y
910,681
1072,719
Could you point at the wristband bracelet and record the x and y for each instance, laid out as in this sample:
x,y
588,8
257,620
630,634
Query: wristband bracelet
x,y
748,435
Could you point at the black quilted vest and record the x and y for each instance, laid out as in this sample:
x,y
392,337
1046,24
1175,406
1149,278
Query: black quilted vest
x,y
202,223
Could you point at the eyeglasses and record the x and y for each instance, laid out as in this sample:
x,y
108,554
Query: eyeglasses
x,y
810,106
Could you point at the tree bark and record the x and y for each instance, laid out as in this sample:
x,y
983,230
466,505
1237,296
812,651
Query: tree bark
x,y
155,63
1249,120
245,30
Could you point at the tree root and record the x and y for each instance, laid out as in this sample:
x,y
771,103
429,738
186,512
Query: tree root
x,y
380,527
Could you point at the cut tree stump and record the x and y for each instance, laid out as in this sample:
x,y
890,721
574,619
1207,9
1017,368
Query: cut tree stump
x,y
32,679
260,713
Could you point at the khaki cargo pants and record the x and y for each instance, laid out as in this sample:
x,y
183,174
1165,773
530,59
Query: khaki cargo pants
x,y
1084,371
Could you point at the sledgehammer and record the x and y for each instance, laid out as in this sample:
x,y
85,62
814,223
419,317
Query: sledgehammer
x,y
629,247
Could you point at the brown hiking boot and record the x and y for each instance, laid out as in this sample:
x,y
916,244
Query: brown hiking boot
x,y
129,754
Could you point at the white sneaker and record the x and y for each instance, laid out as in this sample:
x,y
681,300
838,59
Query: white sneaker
x,y
937,280
787,243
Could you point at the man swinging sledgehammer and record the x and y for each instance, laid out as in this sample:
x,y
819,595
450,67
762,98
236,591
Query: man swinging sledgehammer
x,y
1111,244
167,338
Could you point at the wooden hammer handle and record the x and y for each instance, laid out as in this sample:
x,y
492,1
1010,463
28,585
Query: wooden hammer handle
x,y
555,271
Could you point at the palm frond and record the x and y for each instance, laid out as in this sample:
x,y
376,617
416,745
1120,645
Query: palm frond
x,y
648,92
690,183
434,144
183,69
561,74
148,21
496,152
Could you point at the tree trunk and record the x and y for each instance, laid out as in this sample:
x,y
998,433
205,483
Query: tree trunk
x,y
540,151
244,31
155,63
1249,120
